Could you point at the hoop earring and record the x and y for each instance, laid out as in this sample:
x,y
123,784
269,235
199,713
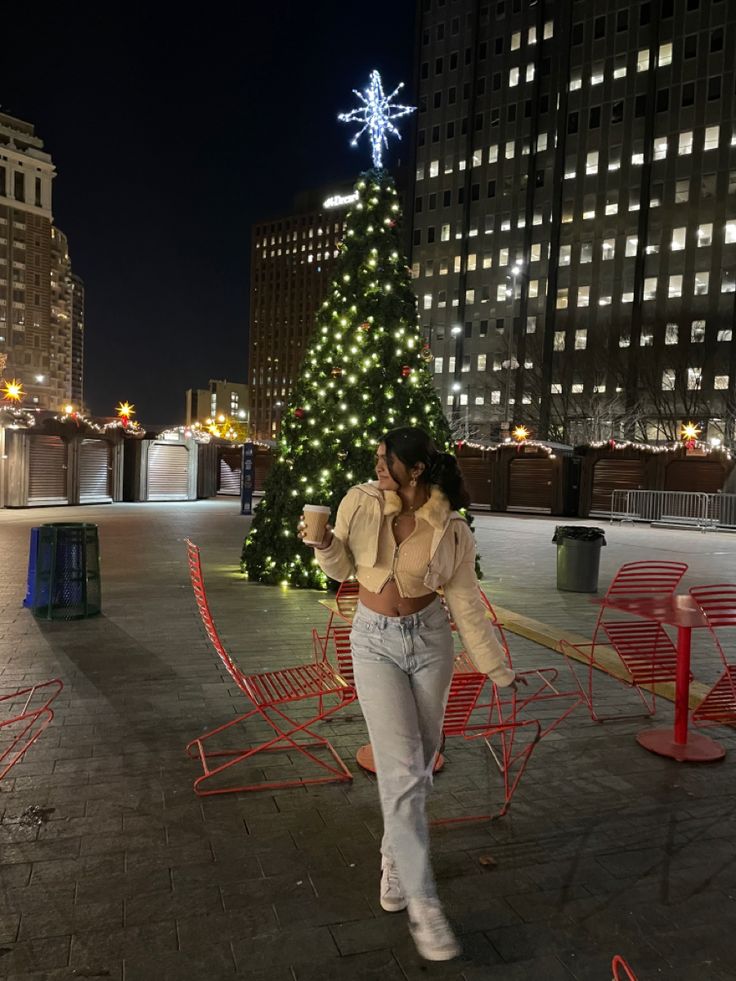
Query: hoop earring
x,y
413,482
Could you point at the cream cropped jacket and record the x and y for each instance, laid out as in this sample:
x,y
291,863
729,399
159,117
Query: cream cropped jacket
x,y
451,565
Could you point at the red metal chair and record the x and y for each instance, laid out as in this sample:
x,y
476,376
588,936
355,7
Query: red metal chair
x,y
621,970
27,719
464,717
267,692
643,646
346,600
718,603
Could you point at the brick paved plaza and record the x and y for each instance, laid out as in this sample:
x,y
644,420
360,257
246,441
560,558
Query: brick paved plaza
x,y
112,868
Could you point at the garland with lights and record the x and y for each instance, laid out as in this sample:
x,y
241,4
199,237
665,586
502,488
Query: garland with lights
x,y
364,372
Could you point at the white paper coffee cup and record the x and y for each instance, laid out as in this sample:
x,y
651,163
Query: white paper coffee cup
x,y
316,517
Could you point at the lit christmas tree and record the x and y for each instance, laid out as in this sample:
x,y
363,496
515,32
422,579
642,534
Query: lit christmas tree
x,y
365,372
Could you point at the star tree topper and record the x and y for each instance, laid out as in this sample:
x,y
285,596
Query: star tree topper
x,y
376,113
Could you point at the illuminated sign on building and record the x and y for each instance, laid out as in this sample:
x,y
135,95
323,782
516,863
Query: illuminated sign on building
x,y
340,200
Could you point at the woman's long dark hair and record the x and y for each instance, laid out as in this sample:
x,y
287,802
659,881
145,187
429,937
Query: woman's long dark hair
x,y
411,445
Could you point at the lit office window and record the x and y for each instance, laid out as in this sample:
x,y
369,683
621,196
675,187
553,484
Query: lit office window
x,y
536,252
509,154
445,233
555,388
576,82
728,281
581,340
591,162
682,191
495,398
586,252
583,297
660,148
702,281
451,365
650,287
597,76
665,54
711,137
729,233
685,143
434,168
531,325
627,296
697,332
420,173
541,142
458,263
463,399
720,382
530,72
427,301
480,400
624,340
671,334
608,248
513,77
477,158
487,260
725,334
482,362
548,30
632,242
533,288
694,379
642,60
678,239
562,298
501,292
438,362
559,340
646,338
605,301
577,388
493,153
675,286
515,40
619,69
565,255
705,234
668,380
531,37
470,296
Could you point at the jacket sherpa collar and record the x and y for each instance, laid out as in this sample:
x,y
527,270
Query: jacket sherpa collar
x,y
436,511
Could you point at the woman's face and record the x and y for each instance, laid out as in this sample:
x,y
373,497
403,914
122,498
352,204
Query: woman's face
x,y
385,480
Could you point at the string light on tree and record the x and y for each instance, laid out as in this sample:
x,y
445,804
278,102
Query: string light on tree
x,y
377,113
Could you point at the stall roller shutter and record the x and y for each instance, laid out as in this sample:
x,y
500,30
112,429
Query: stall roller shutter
x,y
700,476
614,473
530,484
95,457
47,464
168,473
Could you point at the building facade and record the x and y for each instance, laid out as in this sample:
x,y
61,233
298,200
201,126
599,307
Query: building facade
x,y
60,323
77,380
33,337
292,260
221,398
574,227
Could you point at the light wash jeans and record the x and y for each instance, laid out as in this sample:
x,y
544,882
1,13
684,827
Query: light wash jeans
x,y
403,669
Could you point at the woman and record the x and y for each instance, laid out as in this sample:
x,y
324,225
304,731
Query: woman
x,y
403,539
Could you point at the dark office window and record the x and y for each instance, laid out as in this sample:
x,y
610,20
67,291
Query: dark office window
x,y
714,88
430,235
480,86
500,10
594,117
692,5
599,27
417,236
19,189
425,37
475,192
491,189
455,25
482,50
418,204
437,100
461,195
453,61
667,9
466,90
498,47
483,328
572,123
425,69
421,137
463,126
435,134
446,199
645,13
432,203
468,335
691,46
688,94
539,179
511,113
451,95
617,112
468,56
716,40
496,81
38,192
499,323
577,33
423,104
543,104
438,66
440,32
546,66
450,132
479,121
663,100
495,117
3,191
622,20
640,106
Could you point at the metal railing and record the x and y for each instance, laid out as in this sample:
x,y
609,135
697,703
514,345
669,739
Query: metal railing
x,y
708,512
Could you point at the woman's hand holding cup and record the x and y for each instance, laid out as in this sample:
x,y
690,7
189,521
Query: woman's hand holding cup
x,y
314,528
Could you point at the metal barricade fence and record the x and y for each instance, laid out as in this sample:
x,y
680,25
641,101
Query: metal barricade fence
x,y
686,508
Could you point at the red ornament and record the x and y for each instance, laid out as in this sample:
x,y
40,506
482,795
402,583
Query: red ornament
x,y
406,371
299,413
365,326
336,371
612,443
391,222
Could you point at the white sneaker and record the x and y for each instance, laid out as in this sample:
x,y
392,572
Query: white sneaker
x,y
431,932
392,895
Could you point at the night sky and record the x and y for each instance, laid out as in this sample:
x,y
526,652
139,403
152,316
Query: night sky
x,y
172,133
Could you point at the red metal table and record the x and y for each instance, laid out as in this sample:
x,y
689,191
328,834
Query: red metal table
x,y
680,611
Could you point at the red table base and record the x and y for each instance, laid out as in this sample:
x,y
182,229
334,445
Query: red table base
x,y
364,758
697,749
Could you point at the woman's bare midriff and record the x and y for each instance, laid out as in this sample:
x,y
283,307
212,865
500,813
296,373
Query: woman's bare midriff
x,y
391,603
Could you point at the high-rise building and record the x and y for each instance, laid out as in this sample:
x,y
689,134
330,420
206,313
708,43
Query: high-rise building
x,y
60,335
26,283
77,386
574,227
291,263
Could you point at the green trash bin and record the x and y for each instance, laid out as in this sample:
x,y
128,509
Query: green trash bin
x,y
67,572
578,557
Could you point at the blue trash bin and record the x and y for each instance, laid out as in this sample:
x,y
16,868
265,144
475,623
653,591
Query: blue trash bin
x,y
64,572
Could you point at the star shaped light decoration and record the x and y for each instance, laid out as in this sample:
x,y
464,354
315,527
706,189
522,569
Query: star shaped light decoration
x,y
12,391
377,113
689,434
521,434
